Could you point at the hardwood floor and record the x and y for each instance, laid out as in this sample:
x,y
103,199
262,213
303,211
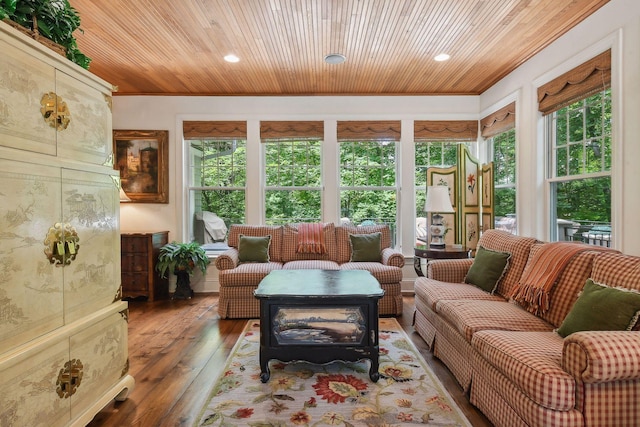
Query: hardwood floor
x,y
177,348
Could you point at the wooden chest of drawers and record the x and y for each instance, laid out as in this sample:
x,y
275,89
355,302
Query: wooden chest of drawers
x,y
139,253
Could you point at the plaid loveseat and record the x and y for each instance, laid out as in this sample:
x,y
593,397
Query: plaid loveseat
x,y
239,280
517,369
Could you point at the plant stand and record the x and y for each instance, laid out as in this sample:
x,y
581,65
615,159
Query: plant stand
x,y
183,286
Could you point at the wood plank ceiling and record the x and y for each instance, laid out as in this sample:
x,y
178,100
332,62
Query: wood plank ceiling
x,y
169,47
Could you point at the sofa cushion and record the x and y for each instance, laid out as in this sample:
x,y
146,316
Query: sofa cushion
x,y
365,247
469,317
616,270
290,244
249,274
253,248
311,264
431,291
517,246
275,232
383,273
568,286
487,269
532,361
343,241
601,308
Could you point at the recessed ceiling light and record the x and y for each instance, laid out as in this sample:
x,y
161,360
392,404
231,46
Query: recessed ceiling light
x,y
442,57
231,58
334,58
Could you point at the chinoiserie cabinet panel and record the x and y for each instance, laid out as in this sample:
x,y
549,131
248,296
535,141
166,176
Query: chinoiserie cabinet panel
x,y
24,80
31,289
138,263
63,325
48,111
28,382
88,136
90,204
102,350
49,383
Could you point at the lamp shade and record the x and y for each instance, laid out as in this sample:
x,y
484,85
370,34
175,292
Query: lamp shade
x,y
123,196
438,200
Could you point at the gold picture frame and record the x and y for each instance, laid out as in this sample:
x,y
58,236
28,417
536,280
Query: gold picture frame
x,y
142,158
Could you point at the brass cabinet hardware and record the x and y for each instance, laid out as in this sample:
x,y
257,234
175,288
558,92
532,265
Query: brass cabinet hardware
x,y
61,244
109,100
69,378
55,111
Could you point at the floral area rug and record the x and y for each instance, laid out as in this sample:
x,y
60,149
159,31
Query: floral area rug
x,y
333,394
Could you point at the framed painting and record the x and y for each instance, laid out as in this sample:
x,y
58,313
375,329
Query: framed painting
x,y
142,158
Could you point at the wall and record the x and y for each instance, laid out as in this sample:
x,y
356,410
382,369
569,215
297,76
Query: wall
x,y
616,25
145,113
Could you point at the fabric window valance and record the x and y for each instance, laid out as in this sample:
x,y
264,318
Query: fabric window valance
x,y
500,121
584,80
291,130
450,130
388,130
214,129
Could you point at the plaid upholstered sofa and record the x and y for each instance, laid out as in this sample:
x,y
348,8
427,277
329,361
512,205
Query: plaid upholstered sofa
x,y
517,367
238,279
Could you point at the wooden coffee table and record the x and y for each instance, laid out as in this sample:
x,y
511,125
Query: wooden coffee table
x,y
319,316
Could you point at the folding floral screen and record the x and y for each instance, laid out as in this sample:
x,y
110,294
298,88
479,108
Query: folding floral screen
x,y
471,190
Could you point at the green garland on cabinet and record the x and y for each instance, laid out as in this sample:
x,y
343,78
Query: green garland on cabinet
x,y
53,19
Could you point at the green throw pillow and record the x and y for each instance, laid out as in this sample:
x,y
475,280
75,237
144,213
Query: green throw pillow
x,y
601,308
366,247
253,249
487,269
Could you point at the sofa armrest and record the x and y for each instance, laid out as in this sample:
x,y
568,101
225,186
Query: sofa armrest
x,y
392,257
228,260
449,270
601,356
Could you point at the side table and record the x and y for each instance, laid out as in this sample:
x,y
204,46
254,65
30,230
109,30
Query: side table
x,y
426,252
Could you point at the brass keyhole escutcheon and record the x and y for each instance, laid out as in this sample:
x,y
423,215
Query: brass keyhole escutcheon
x,y
69,378
55,111
61,244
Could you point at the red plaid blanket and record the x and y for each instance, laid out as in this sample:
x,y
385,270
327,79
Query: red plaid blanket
x,y
311,238
543,271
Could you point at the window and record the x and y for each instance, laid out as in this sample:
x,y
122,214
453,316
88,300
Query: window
x,y
293,171
436,145
217,177
498,129
427,154
368,171
503,148
580,169
293,181
579,151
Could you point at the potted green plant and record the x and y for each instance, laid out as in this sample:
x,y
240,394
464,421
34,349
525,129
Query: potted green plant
x,y
182,259
54,19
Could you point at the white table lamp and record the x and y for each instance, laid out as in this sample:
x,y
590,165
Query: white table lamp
x,y
123,196
437,202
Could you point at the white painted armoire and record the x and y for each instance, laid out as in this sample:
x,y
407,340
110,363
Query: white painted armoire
x,y
63,325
